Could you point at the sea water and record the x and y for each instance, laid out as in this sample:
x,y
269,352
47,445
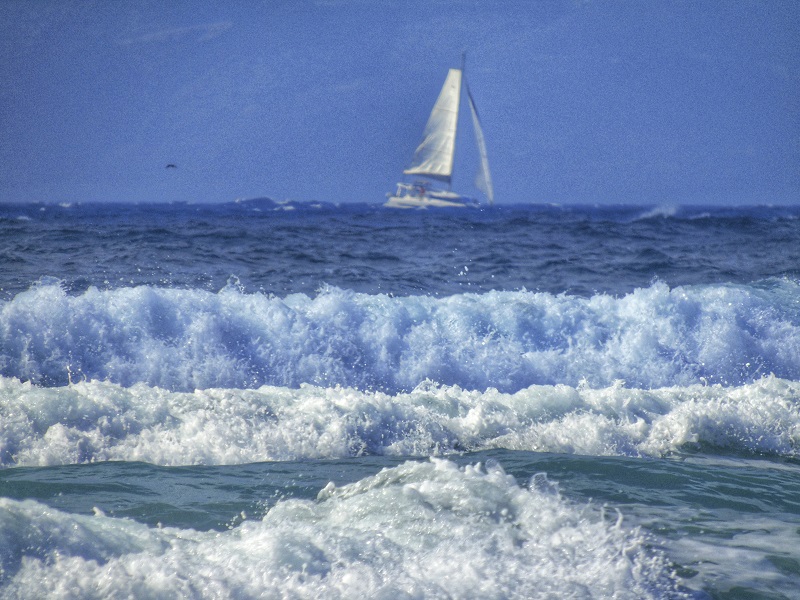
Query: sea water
x,y
263,399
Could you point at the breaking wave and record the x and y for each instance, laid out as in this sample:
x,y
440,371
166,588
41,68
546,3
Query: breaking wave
x,y
183,340
417,530
100,421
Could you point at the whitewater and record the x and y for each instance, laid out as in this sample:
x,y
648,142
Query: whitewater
x,y
271,399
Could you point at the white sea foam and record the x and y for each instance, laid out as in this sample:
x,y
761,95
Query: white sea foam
x,y
98,421
663,212
190,339
420,530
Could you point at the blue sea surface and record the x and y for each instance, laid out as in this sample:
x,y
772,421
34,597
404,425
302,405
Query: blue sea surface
x,y
264,399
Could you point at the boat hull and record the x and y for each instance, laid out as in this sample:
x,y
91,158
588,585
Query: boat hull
x,y
425,201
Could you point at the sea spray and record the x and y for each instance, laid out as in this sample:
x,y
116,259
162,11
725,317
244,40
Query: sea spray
x,y
183,340
98,421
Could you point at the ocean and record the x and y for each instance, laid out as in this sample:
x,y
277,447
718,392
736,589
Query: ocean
x,y
266,399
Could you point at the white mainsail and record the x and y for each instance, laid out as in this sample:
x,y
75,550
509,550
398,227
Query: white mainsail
x,y
483,179
434,156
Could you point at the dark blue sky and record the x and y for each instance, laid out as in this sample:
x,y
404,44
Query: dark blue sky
x,y
664,102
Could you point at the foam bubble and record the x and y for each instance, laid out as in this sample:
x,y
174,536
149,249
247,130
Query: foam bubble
x,y
417,530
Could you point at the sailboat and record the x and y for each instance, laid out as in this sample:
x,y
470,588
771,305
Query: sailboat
x,y
432,164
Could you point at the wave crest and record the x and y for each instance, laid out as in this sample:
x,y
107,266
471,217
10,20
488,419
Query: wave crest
x,y
190,339
97,421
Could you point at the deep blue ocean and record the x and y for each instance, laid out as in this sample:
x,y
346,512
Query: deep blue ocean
x,y
288,400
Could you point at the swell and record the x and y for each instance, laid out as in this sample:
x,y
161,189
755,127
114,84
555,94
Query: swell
x,y
580,250
183,340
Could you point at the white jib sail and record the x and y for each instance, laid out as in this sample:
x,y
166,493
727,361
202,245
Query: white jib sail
x,y
483,179
434,155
